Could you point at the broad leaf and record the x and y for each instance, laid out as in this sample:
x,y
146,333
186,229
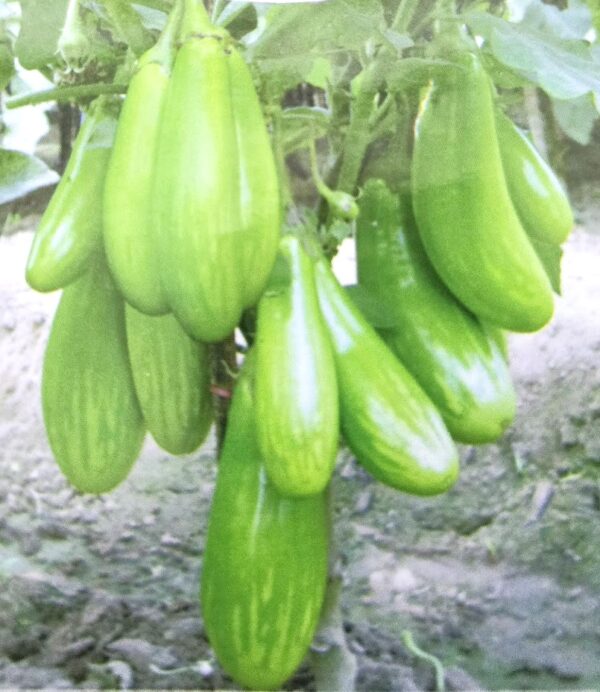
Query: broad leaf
x,y
288,40
542,50
576,118
22,173
41,26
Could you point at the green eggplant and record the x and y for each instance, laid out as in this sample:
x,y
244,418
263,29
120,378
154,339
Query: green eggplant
x,y
265,560
297,417
466,219
443,346
70,230
259,187
92,416
198,220
388,421
128,239
535,190
171,373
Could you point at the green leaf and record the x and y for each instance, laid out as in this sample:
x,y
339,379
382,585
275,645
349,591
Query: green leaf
x,y
41,25
21,173
289,39
550,256
576,118
373,307
301,125
152,19
300,29
542,50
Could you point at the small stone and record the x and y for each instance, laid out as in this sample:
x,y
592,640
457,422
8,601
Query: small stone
x,y
141,654
53,529
363,501
458,679
32,677
204,668
169,541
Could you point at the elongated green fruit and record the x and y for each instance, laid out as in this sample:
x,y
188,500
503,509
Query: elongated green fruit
x,y
265,562
297,417
171,372
128,239
197,191
468,224
259,187
92,416
388,421
536,192
444,347
70,230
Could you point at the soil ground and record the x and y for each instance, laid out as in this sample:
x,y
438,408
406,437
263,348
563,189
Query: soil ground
x,y
500,578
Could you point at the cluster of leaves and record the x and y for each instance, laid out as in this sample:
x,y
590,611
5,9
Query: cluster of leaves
x,y
362,62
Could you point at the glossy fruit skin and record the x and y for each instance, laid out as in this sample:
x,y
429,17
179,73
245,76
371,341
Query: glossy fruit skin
x,y
259,187
388,421
297,413
70,230
265,561
171,373
217,230
466,219
198,227
460,368
535,190
128,240
92,416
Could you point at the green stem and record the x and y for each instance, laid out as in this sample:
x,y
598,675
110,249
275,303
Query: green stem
x,y
224,364
409,643
358,135
279,153
129,25
61,94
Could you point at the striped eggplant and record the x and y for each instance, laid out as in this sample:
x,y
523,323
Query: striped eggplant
x,y
297,417
265,561
92,416
388,421
70,230
171,372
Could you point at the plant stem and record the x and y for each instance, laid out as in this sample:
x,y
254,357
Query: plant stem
x,y
334,665
410,644
358,135
129,25
224,364
62,94
278,151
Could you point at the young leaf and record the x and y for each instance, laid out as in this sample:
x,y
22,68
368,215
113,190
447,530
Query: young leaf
x,y
22,173
41,26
